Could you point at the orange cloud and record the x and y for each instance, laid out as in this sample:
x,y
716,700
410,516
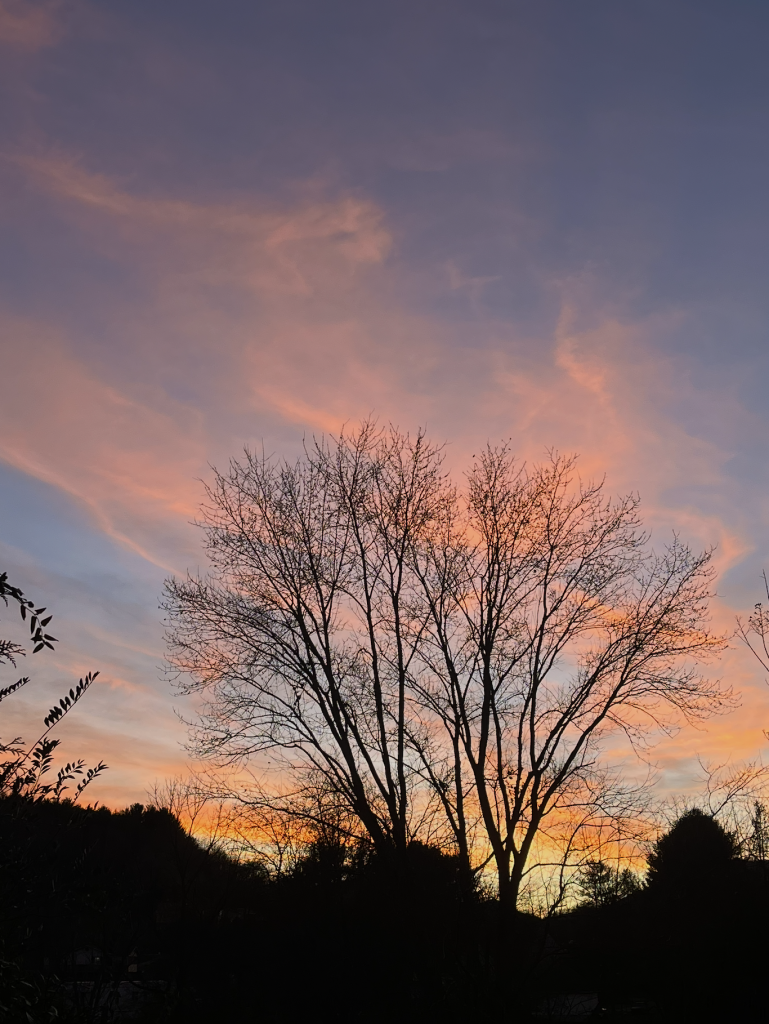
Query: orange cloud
x,y
321,337
131,453
608,395
129,464
323,346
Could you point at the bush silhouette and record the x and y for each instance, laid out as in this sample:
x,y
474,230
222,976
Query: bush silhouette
x,y
692,855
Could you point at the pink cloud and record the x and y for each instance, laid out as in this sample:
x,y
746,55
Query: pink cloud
x,y
285,252
25,25
324,346
129,464
322,339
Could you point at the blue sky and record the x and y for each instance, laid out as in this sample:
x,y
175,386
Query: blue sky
x,y
237,223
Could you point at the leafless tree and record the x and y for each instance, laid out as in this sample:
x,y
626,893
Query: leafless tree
x,y
447,661
303,636
730,788
276,826
552,625
202,812
754,632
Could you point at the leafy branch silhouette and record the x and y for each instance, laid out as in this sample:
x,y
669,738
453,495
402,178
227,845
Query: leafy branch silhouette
x,y
23,772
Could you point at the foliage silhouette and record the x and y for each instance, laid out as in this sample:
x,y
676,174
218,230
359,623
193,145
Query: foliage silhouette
x,y
598,883
693,854
757,841
27,992
349,931
23,772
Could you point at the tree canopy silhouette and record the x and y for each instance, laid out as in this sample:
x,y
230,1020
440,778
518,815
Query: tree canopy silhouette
x,y
598,883
694,851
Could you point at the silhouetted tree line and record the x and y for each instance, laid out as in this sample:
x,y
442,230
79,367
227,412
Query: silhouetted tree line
x,y
123,915
688,945
89,894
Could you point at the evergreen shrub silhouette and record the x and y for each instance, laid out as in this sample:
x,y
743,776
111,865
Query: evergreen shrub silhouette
x,y
697,846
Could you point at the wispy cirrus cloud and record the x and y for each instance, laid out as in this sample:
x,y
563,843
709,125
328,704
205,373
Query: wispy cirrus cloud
x,y
320,342
276,251
64,426
130,450
264,320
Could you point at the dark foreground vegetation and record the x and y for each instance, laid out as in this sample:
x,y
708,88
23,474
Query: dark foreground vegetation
x,y
110,916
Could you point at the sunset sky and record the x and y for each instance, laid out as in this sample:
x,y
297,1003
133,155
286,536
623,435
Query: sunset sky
x,y
247,222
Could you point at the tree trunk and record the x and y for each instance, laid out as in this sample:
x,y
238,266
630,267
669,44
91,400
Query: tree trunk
x,y
508,893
